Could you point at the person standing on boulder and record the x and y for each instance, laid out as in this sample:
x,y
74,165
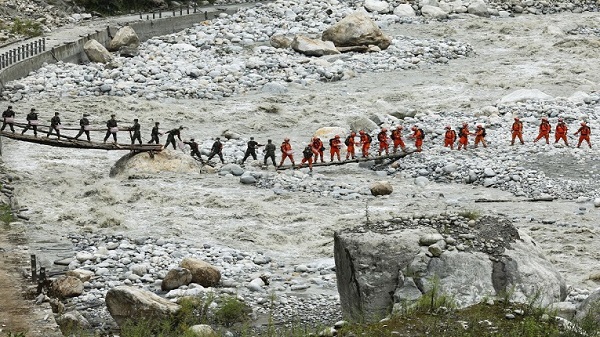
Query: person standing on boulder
x,y
251,149
32,122
111,128
8,118
217,149
350,143
137,133
171,137
84,127
397,138
335,144
286,152
517,131
54,125
384,144
561,132
194,151
463,136
307,156
418,136
449,137
154,134
544,131
270,152
584,133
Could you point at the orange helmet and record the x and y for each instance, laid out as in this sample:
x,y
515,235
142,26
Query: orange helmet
x,y
384,129
361,132
399,127
560,119
479,126
544,118
583,124
517,118
414,127
465,123
286,140
448,127
353,133
337,136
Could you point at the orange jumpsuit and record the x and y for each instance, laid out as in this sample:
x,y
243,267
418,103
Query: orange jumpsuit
x,y
397,138
308,157
317,148
418,136
584,134
449,139
350,149
336,144
366,144
479,137
544,132
463,137
517,132
286,152
383,142
561,133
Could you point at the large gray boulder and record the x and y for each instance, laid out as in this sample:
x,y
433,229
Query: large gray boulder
x,y
384,267
66,286
96,52
433,12
128,303
176,278
203,273
356,29
381,188
590,307
125,37
312,47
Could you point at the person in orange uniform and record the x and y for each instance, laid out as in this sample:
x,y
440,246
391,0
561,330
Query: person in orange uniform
x,y
584,133
517,131
286,152
397,138
307,156
384,144
418,137
350,142
449,137
480,136
365,141
561,132
318,148
463,136
335,144
544,130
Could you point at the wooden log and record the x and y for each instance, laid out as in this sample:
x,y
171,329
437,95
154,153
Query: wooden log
x,y
547,199
395,156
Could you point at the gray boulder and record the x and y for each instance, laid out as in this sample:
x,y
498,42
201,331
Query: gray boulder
x,y
176,278
363,123
381,188
128,303
356,29
66,286
280,41
234,169
377,6
312,47
125,37
405,10
72,321
203,273
479,8
96,52
202,330
433,12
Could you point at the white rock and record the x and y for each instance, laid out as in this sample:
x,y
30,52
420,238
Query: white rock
x,y
523,95
377,6
405,10
433,12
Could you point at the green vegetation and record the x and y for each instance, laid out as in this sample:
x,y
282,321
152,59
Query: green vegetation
x,y
232,311
15,334
27,28
470,214
115,7
6,214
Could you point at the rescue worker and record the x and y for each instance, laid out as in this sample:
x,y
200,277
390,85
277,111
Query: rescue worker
x,y
171,137
384,144
251,150
584,134
449,137
111,128
286,152
418,137
137,133
318,148
544,131
194,151
269,152
463,136
350,143
397,138
216,149
8,118
54,125
480,136
32,122
517,131
561,132
154,134
307,154
84,125
335,144
365,141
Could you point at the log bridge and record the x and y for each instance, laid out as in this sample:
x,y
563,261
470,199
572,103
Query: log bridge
x,y
380,161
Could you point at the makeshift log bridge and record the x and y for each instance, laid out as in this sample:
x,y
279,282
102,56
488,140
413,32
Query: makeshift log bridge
x,y
381,161
66,141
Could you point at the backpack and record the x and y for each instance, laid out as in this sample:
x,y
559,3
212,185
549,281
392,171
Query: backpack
x,y
422,133
347,141
369,138
483,133
307,152
331,142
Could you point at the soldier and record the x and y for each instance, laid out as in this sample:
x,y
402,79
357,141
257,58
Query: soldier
x,y
350,143
216,149
137,134
194,151
545,129
111,128
8,117
463,136
561,132
584,134
335,144
449,137
32,122
54,125
397,138
84,127
270,152
251,150
418,136
286,152
365,141
480,136
382,137
171,137
155,133
307,154
517,131
318,148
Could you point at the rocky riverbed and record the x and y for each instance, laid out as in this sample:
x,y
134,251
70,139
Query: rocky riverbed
x,y
436,73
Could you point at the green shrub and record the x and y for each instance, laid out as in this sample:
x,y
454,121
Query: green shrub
x,y
6,214
232,311
27,28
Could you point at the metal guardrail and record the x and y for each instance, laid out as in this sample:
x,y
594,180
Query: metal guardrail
x,y
22,52
183,10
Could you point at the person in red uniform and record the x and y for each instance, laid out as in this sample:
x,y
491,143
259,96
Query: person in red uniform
x,y
517,131
350,142
286,152
365,141
384,143
307,155
544,131
449,137
418,137
463,136
318,148
584,133
561,132
335,144
480,136
397,138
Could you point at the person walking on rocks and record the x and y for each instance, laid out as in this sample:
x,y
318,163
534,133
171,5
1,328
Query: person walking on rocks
x,y
251,149
8,118
418,136
517,131
463,136
194,151
365,141
584,133
307,154
449,137
154,134
350,142
318,148
137,132
286,152
397,138
84,127
216,149
561,132
54,125
171,137
32,122
480,136
545,129
269,152
384,144
111,128
335,144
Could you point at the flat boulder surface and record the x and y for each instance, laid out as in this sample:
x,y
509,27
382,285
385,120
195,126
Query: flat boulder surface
x,y
356,29
164,161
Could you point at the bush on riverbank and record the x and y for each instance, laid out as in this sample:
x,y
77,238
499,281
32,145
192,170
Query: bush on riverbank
x,y
113,7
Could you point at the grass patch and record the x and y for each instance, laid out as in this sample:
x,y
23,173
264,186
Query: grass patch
x,y
27,28
6,214
232,311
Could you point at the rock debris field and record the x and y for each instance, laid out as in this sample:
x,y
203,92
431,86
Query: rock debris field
x,y
223,78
